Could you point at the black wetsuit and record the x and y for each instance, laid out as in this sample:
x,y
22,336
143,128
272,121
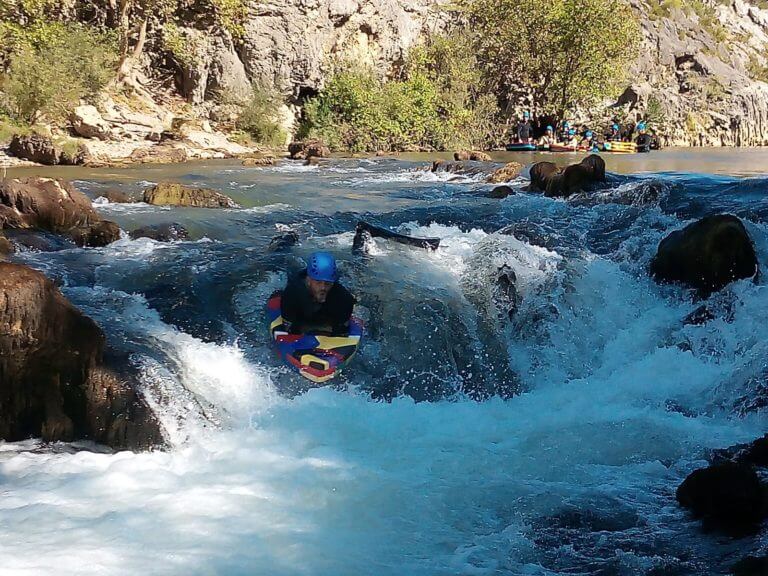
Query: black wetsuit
x,y
643,142
524,130
302,313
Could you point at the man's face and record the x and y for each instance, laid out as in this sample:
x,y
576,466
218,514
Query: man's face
x,y
319,289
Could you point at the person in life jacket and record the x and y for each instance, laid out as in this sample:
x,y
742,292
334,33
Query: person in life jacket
x,y
643,139
315,301
548,139
614,134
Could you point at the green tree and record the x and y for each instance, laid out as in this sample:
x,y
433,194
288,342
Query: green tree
x,y
563,53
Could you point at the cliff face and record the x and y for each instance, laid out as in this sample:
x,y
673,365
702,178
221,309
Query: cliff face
x,y
697,65
700,62
293,44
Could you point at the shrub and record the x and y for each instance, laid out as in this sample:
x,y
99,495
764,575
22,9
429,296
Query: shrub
x,y
437,102
555,51
52,67
259,117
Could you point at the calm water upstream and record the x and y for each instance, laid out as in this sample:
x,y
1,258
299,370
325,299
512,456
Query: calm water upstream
x,y
396,469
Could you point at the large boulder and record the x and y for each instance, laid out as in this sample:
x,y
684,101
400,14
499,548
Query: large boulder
x,y
576,177
706,255
35,148
728,496
55,206
52,383
305,149
508,172
540,174
88,123
173,194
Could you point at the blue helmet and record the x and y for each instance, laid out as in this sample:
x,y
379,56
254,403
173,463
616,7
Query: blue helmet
x,y
641,125
550,129
615,126
571,132
566,124
526,114
589,133
322,266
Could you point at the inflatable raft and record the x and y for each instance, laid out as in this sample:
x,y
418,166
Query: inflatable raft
x,y
620,147
521,147
317,357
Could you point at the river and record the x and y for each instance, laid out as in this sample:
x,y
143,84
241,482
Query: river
x,y
461,439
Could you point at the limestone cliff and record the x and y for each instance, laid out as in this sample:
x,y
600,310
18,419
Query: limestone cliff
x,y
700,62
697,67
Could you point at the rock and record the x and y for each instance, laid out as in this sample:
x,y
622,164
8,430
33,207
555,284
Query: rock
x,y
480,157
706,255
6,247
501,192
167,232
213,143
575,178
305,149
173,194
160,154
540,174
508,172
259,161
96,235
117,197
55,206
88,123
52,384
751,566
35,148
461,156
283,241
728,496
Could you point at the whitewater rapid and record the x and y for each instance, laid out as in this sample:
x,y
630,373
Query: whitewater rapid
x,y
618,401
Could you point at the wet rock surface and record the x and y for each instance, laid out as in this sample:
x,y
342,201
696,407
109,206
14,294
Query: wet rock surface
x,y
54,206
52,382
173,194
706,255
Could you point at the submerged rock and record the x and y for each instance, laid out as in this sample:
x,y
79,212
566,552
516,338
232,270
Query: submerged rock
x,y
751,566
501,192
267,161
55,206
52,383
727,496
117,197
283,241
173,194
706,255
166,232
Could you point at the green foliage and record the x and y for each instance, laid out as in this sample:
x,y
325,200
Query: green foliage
x,y
231,14
52,67
177,44
654,112
438,103
259,117
565,53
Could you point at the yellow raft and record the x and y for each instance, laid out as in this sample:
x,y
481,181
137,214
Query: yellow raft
x,y
621,147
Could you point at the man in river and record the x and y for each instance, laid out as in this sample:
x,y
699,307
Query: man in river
x,y
548,139
315,301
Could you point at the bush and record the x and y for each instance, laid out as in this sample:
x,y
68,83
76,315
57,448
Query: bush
x,y
54,66
556,52
259,117
437,103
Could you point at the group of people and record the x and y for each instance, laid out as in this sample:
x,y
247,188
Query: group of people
x,y
584,138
